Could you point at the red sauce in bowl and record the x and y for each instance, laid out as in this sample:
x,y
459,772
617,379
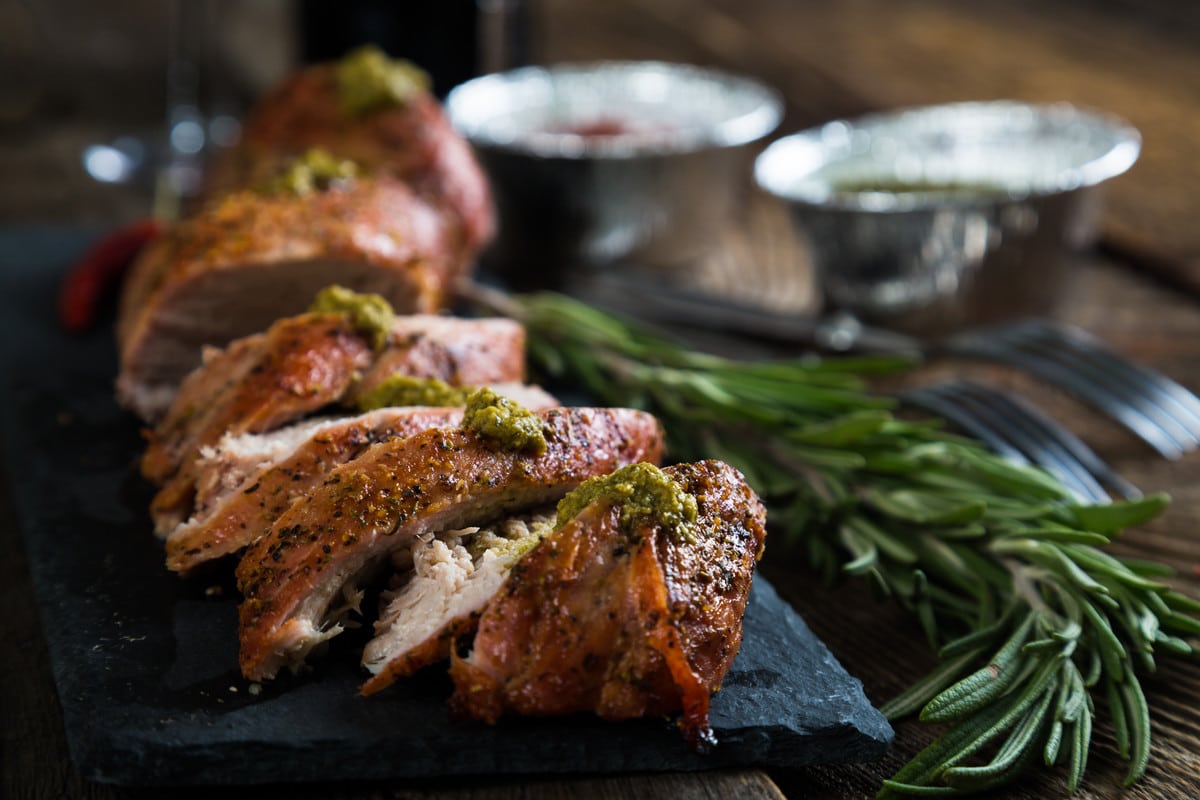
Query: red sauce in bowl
x,y
599,128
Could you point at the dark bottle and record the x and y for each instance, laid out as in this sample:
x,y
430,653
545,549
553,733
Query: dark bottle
x,y
453,40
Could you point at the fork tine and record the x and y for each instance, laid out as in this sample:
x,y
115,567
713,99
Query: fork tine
x,y
943,401
998,410
1043,427
1131,389
1172,397
992,345
929,399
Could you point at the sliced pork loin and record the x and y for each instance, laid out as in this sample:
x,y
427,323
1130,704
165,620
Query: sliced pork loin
x,y
453,576
412,140
624,621
298,367
461,352
247,481
379,504
250,259
235,461
228,466
231,517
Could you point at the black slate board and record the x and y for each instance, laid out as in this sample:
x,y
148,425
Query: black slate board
x,y
145,663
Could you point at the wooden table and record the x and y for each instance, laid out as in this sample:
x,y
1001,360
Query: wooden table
x,y
831,60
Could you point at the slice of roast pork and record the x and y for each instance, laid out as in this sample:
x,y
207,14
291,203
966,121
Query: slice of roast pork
x,y
247,481
302,365
379,504
461,352
251,258
413,140
624,620
228,465
295,368
232,519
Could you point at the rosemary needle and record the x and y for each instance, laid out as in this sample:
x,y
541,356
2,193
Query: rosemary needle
x,y
1034,620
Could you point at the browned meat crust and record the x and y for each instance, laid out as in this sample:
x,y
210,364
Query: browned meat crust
x,y
414,141
249,511
249,259
301,365
373,506
462,352
625,623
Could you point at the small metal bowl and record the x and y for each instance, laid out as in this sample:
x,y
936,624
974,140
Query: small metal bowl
x,y
610,161
934,219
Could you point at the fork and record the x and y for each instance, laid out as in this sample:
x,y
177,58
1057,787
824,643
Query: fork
x,y
1022,433
1158,410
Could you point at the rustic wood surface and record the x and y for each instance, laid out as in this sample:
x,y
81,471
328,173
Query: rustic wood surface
x,y
830,60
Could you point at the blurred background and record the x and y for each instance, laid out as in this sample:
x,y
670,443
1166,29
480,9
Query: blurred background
x,y
75,73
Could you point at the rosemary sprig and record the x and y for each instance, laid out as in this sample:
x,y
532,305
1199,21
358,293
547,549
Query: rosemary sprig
x,y
1034,621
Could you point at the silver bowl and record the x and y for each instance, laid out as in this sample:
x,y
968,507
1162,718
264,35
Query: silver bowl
x,y
933,219
610,161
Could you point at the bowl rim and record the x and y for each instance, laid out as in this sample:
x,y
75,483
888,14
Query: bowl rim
x,y
742,129
774,174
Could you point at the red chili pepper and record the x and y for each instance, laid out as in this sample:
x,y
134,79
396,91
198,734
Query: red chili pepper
x,y
98,271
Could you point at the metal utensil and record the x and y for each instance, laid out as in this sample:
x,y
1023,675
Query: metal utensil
x,y
1156,408
1160,411
1022,433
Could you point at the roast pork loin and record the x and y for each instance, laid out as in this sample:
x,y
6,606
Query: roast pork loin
x,y
298,367
229,517
294,577
411,139
406,221
625,620
236,459
251,258
248,480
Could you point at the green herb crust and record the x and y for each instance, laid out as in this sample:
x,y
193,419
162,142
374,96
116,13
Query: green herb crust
x,y
367,80
403,390
504,422
370,313
643,491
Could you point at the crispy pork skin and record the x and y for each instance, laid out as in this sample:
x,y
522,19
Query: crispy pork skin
x,y
247,481
251,258
413,141
623,621
380,503
301,365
